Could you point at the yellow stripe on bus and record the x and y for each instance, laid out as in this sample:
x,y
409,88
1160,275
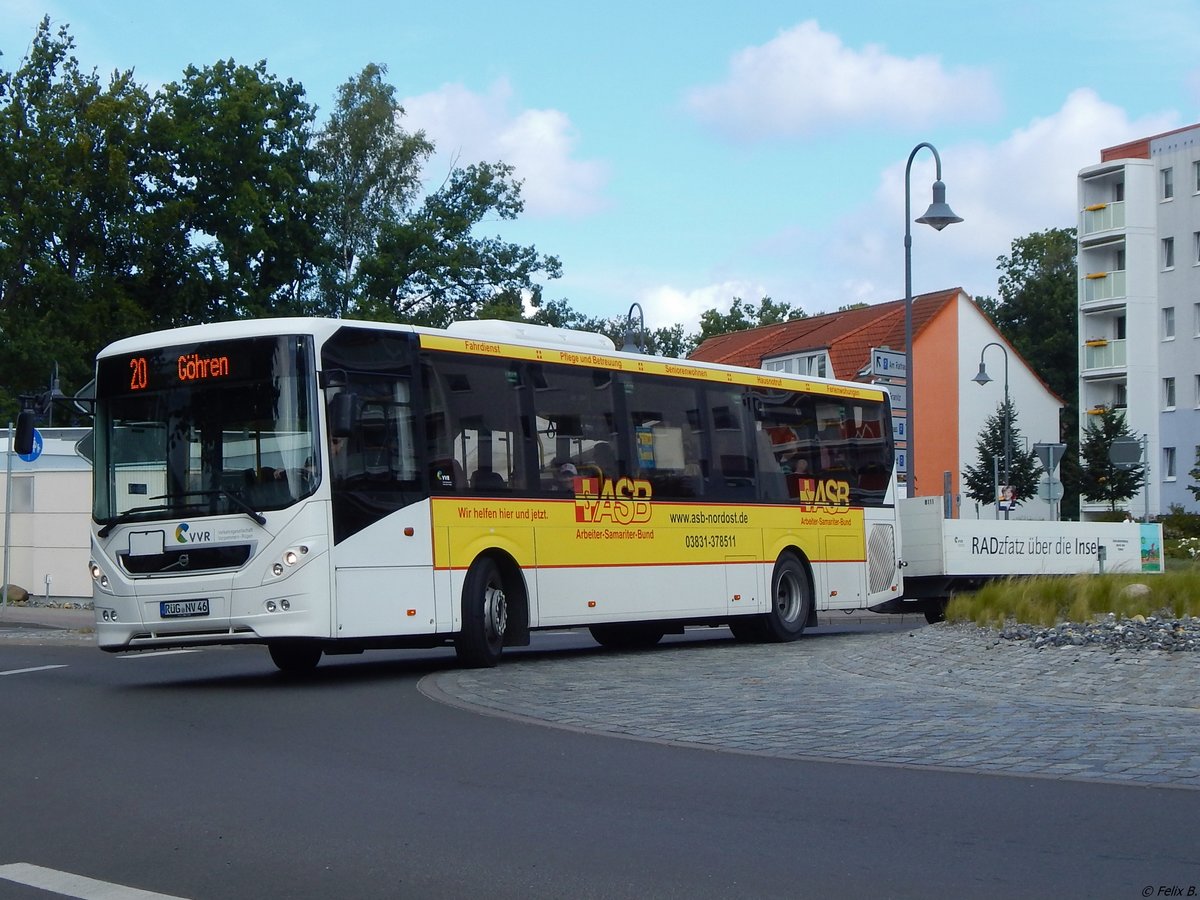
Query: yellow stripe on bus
x,y
584,532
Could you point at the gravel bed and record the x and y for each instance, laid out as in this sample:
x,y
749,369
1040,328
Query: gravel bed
x,y
1110,633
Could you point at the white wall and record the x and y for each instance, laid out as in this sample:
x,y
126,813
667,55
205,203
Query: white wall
x,y
1036,406
53,538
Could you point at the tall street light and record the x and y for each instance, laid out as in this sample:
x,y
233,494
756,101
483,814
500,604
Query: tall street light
x,y
939,215
981,379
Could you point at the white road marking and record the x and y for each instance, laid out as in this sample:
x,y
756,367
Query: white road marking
x,y
34,669
74,885
147,655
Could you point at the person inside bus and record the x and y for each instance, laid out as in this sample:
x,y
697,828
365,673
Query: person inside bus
x,y
565,477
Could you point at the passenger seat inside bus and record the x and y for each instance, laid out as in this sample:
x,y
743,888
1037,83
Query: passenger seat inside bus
x,y
487,480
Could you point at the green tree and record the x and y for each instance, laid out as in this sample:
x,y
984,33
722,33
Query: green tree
x,y
1194,474
431,268
73,176
1100,478
237,190
1024,467
742,316
372,169
1037,312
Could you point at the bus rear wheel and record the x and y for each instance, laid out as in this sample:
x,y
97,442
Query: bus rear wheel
x,y
295,657
791,606
626,637
484,615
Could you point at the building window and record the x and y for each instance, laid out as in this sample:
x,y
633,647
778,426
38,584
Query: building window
x,y
1168,393
804,364
1196,176
1168,183
1196,248
22,493
1168,463
1168,323
1168,253
1196,319
1120,396
1119,328
1196,392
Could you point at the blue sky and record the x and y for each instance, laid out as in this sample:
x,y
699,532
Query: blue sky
x,y
679,156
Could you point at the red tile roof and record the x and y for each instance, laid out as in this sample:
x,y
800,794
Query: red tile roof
x,y
848,335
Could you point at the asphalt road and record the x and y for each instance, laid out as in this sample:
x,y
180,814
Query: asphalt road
x,y
207,774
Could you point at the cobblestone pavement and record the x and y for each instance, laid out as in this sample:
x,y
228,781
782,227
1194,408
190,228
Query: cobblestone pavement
x,y
953,697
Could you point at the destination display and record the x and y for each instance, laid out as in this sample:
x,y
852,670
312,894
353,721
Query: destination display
x,y
192,365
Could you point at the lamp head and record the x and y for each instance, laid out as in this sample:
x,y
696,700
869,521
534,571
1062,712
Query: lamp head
x,y
939,214
982,376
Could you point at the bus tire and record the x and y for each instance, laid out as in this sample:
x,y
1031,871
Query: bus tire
x,y
484,615
791,600
626,637
936,611
295,657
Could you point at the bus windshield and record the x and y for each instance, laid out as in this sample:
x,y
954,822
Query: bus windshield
x,y
218,428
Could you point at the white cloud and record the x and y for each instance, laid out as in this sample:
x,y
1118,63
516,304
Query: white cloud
x,y
540,144
1004,191
807,80
666,305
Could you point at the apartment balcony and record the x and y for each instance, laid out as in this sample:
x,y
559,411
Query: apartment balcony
x,y
1103,358
1101,217
1104,290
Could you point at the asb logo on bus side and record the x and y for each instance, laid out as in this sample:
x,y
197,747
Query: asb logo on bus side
x,y
624,501
830,493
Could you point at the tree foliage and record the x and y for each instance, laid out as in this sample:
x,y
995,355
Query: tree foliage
x,y
1024,468
1100,478
214,198
1037,312
743,316
371,167
72,181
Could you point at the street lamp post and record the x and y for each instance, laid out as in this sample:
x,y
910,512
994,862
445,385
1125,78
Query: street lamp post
x,y
938,216
981,378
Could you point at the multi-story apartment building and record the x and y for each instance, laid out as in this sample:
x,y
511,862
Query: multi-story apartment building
x,y
1139,304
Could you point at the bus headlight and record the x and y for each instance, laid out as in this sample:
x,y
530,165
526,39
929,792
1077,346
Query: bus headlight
x,y
288,560
99,578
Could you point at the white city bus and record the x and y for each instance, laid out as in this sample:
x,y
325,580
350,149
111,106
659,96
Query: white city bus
x,y
328,486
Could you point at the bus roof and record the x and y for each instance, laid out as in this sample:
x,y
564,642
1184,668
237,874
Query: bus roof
x,y
496,338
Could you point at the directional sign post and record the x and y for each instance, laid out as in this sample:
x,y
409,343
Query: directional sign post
x,y
888,363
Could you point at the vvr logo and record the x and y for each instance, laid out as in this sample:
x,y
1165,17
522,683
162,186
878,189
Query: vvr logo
x,y
184,535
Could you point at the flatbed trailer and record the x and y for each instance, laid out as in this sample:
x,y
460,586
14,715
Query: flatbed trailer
x,y
942,557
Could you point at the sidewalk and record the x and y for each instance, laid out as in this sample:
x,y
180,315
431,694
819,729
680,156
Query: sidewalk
x,y
68,616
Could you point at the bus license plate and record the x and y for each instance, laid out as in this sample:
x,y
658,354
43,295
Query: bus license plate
x,y
174,609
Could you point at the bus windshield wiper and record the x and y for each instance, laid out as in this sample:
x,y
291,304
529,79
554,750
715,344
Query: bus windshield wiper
x,y
129,515
225,492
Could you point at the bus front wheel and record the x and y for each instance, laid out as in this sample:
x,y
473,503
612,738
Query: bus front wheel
x,y
295,657
484,615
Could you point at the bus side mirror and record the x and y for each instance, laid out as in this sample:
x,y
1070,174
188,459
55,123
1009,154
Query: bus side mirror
x,y
341,414
23,442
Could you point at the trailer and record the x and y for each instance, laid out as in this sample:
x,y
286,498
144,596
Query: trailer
x,y
942,557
